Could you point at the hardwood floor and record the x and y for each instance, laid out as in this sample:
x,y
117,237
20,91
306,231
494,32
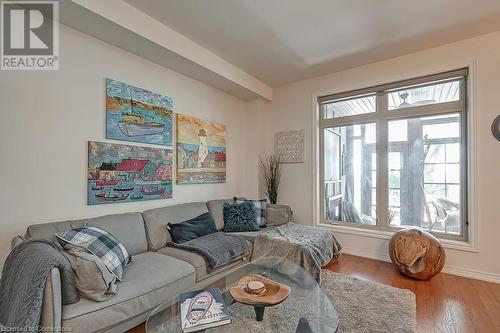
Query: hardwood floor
x,y
446,303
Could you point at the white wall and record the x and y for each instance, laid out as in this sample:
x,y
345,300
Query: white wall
x,y
292,108
48,117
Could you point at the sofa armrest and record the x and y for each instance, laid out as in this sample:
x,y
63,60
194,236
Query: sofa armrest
x,y
278,214
16,241
52,302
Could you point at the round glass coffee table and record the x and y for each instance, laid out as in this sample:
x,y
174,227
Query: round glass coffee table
x,y
307,308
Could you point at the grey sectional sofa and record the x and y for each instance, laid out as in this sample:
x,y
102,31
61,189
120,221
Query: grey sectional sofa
x,y
156,274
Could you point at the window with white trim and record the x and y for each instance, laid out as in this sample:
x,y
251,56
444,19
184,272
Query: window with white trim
x,y
395,156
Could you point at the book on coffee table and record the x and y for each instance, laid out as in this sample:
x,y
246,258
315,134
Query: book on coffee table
x,y
203,309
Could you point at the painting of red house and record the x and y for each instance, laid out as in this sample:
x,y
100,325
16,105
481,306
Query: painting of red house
x,y
121,173
133,169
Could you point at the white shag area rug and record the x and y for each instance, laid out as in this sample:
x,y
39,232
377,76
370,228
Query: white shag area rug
x,y
365,306
361,306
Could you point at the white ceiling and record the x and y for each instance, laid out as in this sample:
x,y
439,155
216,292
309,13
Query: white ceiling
x,y
281,41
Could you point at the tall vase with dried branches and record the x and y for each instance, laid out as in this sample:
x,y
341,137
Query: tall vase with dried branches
x,y
272,175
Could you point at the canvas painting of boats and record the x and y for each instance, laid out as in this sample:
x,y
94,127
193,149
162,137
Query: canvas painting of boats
x,y
201,151
123,173
135,114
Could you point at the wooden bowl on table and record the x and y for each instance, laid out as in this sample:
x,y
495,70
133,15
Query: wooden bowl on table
x,y
259,292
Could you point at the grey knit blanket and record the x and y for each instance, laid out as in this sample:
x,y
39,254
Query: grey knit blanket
x,y
307,246
218,248
23,281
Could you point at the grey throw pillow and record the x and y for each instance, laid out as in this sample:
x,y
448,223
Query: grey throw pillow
x,y
278,215
93,280
239,217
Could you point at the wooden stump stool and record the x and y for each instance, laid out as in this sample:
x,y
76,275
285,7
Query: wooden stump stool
x,y
416,253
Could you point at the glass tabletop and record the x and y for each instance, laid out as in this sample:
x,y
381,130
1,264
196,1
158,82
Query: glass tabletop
x,y
307,303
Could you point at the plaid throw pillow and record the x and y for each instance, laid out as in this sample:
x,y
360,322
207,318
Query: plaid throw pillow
x,y
260,209
100,243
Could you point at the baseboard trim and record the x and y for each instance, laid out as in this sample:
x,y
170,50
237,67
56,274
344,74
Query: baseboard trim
x,y
472,274
458,271
366,254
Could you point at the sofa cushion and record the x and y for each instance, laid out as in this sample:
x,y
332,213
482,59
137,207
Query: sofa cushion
x,y
151,279
193,228
127,228
156,221
216,208
198,262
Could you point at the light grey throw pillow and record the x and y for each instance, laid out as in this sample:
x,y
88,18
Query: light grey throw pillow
x,y
93,280
278,215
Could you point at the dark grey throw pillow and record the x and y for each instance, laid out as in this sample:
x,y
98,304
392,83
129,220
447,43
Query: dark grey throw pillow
x,y
193,228
240,217
260,207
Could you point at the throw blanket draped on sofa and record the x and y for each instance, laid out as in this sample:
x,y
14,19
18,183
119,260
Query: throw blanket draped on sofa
x,y
23,281
218,249
306,246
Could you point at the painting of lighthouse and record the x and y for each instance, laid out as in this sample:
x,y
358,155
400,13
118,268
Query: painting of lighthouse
x,y
201,151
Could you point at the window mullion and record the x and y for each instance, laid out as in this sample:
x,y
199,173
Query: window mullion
x,y
322,171
382,164
424,110
464,180
347,120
